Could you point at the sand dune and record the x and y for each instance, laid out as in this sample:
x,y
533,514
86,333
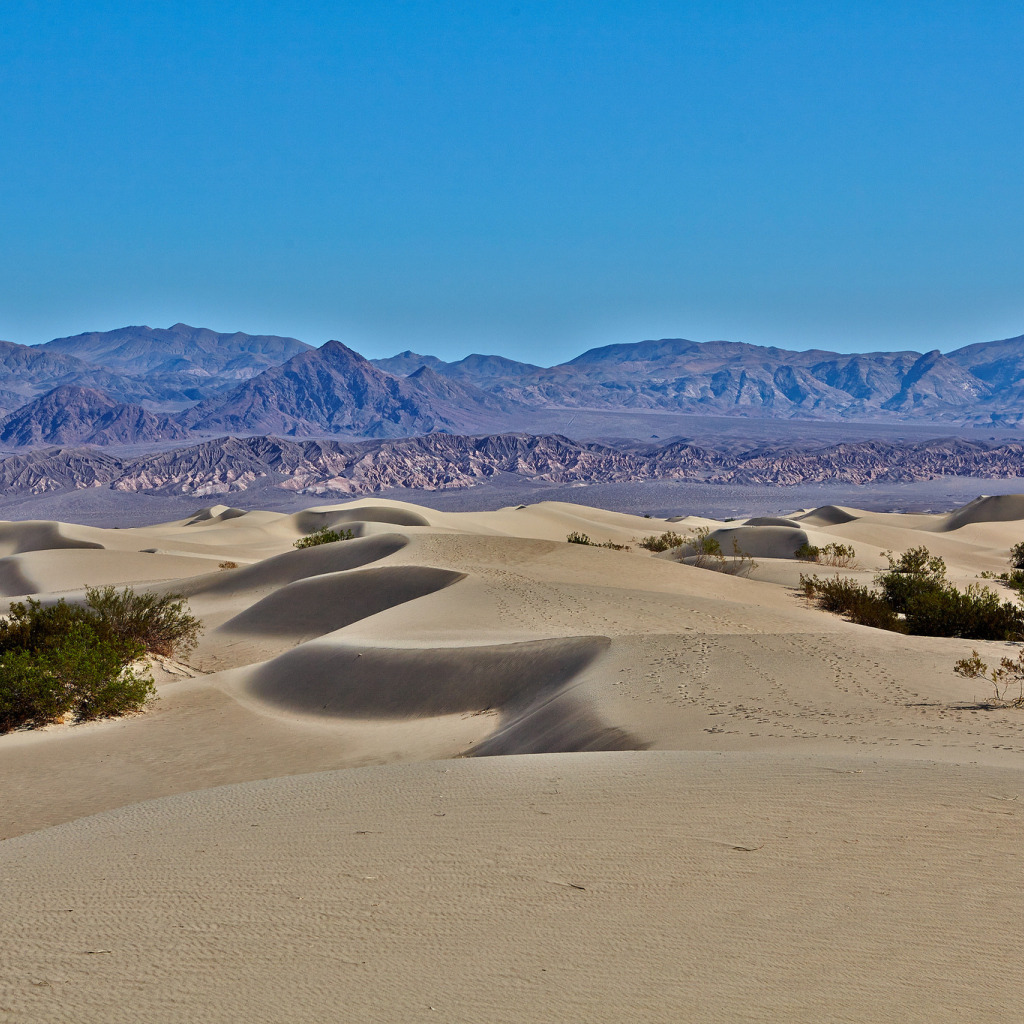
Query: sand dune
x,y
762,541
999,508
742,807
828,515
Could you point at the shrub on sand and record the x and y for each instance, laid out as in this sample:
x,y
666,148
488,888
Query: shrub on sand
x,y
325,535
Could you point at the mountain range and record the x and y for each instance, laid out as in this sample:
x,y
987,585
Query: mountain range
x,y
140,385
228,465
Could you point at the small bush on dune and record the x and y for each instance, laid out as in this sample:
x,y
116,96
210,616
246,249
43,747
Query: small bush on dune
x,y
662,542
857,602
807,552
911,576
1017,556
78,660
1009,674
703,551
227,565
581,538
915,597
61,661
838,556
161,624
325,535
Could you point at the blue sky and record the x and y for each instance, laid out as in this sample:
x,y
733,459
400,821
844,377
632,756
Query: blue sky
x,y
527,178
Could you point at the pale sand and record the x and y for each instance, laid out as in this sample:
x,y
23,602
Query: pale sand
x,y
777,815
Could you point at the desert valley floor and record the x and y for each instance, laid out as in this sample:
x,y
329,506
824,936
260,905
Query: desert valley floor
x,y
457,769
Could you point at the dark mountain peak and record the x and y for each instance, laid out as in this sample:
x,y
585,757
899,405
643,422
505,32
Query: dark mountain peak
x,y
341,354
71,414
425,373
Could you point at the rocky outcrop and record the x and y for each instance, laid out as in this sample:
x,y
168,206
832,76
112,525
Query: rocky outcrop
x,y
444,461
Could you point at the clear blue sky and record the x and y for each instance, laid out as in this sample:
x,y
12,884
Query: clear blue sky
x,y
527,178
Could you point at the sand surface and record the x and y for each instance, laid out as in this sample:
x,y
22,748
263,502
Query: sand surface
x,y
735,807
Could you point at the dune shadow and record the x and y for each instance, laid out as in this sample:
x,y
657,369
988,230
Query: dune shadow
x,y
332,679
280,570
321,604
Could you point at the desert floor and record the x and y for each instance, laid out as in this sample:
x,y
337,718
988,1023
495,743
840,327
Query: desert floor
x,y
702,799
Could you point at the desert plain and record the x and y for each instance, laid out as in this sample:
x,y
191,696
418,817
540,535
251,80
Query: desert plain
x,y
458,769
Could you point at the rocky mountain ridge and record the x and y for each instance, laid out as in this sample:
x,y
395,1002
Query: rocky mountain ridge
x,y
444,461
194,382
977,384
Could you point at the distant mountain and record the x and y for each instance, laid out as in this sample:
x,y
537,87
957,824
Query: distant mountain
x,y
444,461
335,390
473,368
979,383
406,362
179,350
255,384
74,415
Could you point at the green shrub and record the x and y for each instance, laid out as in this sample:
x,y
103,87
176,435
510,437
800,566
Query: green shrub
x,y
913,575
807,552
703,551
162,625
1017,556
77,660
1014,579
325,535
858,603
914,596
975,613
662,542
61,661
582,538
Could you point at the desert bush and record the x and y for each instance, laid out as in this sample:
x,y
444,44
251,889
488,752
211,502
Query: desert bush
x,y
703,551
975,613
161,624
838,556
325,535
914,596
852,599
582,538
807,552
662,542
1017,556
913,575
63,660
227,565
702,548
1010,673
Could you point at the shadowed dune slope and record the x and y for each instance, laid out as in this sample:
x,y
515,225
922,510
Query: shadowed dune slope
x,y
279,570
317,519
39,535
999,508
827,515
320,604
772,521
761,541
217,513
330,678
